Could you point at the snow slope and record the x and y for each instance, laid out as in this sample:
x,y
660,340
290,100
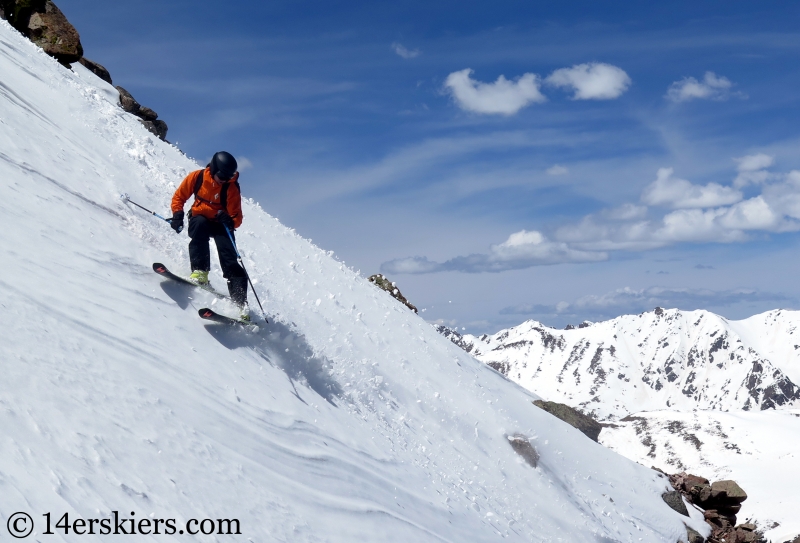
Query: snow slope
x,y
662,359
346,419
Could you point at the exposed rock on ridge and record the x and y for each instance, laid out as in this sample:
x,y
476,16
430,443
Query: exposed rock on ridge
x,y
721,501
587,425
45,25
382,282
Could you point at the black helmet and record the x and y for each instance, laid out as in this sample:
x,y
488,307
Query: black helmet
x,y
224,165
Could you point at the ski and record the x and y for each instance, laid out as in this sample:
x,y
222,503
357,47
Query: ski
x,y
163,271
211,315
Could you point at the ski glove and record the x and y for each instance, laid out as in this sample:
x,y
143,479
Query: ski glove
x,y
225,220
177,221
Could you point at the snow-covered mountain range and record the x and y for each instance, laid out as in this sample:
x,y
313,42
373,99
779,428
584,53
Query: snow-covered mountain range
x,y
679,390
662,359
347,418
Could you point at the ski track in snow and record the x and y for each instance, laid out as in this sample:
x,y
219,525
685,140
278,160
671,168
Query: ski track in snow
x,y
348,419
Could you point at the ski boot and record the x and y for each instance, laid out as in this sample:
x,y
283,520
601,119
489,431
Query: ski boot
x,y
200,278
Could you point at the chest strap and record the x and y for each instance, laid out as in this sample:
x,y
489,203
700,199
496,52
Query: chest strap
x,y
223,195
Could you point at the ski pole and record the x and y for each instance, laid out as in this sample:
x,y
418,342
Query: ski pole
x,y
128,199
239,258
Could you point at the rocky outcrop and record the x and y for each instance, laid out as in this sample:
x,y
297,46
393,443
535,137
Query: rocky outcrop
x,y
97,69
586,424
675,500
382,282
722,501
147,116
45,25
51,31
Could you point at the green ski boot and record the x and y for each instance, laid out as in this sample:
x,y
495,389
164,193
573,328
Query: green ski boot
x,y
200,278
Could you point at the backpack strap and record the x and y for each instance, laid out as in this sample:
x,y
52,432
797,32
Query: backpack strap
x,y
198,182
223,195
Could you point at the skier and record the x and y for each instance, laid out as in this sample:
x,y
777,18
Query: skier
x,y
217,206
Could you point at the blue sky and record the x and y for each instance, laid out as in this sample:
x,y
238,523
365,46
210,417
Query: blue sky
x,y
630,156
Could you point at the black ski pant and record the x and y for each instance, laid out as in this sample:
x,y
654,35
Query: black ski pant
x,y
201,230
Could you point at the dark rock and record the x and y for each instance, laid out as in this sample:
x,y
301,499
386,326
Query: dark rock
x,y
718,520
727,491
157,128
51,31
96,69
795,540
675,500
693,537
700,494
382,282
2,12
127,101
748,527
729,509
522,446
147,114
18,12
586,424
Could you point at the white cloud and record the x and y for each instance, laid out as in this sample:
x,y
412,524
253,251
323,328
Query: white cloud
x,y
402,51
751,163
696,225
752,214
712,87
626,212
556,169
502,97
676,193
752,169
592,81
244,164
709,213
523,249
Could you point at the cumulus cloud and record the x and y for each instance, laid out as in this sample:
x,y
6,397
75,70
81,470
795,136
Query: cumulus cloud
x,y
753,169
521,250
404,52
669,191
628,300
592,81
503,97
709,213
712,87
557,169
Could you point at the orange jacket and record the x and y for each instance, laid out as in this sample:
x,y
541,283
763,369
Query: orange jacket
x,y
207,203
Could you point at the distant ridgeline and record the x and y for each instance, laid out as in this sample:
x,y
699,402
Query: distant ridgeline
x,y
45,25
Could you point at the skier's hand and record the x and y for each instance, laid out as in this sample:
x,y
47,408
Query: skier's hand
x,y
225,219
177,221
